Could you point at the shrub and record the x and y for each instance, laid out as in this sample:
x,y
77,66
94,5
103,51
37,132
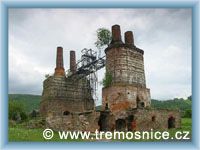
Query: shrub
x,y
16,111
107,79
188,113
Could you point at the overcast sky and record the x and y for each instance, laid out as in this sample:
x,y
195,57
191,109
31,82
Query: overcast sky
x,y
163,34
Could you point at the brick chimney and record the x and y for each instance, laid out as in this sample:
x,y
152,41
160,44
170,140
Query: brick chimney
x,y
72,61
59,70
116,34
129,38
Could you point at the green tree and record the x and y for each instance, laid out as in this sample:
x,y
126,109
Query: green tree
x,y
103,38
16,110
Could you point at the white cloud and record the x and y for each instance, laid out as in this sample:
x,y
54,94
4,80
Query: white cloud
x,y
164,34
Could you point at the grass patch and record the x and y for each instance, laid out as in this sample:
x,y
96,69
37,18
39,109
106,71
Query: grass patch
x,y
19,134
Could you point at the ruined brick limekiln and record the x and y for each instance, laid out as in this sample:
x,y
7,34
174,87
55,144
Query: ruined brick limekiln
x,y
67,102
126,100
125,64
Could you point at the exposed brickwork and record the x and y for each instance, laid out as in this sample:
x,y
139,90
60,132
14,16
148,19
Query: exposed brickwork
x,y
124,97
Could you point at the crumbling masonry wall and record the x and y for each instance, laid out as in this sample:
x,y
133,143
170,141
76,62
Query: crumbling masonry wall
x,y
124,97
147,119
85,121
144,120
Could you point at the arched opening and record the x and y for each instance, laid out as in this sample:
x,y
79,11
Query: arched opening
x,y
106,107
142,104
66,113
171,122
153,118
120,125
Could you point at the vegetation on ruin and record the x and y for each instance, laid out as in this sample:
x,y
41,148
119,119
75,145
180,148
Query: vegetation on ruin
x,y
107,80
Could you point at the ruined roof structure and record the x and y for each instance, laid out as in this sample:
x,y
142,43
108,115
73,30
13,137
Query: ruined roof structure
x,y
67,101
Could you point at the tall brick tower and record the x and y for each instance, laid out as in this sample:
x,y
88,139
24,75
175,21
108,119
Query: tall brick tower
x,y
125,66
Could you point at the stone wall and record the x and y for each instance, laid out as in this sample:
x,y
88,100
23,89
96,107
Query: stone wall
x,y
87,121
156,119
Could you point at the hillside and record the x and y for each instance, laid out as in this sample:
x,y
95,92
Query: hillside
x,y
172,104
32,102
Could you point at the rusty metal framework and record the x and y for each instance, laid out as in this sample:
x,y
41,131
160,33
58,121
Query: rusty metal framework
x,y
88,66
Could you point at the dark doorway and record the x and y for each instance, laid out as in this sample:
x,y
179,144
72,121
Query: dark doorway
x,y
142,104
65,113
103,122
129,123
153,118
171,122
106,107
120,125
